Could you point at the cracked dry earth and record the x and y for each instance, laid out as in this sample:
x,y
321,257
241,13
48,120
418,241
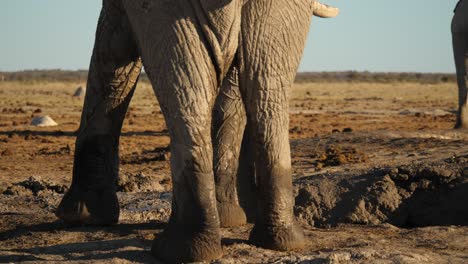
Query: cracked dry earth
x,y
379,177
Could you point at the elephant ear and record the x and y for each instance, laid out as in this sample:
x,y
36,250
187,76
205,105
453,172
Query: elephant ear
x,y
325,11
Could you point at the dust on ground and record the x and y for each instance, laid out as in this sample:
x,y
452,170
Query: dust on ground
x,y
379,177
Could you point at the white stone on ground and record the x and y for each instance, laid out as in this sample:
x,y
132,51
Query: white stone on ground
x,y
43,121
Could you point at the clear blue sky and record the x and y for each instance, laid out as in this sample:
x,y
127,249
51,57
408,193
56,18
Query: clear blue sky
x,y
373,35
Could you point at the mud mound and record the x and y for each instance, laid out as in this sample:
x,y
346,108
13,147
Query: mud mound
x,y
142,183
407,196
17,110
61,151
79,92
336,155
147,156
43,121
145,206
128,183
34,186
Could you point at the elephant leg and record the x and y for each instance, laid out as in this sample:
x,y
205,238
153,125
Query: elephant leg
x,y
229,122
460,49
246,183
186,52
233,160
114,70
272,42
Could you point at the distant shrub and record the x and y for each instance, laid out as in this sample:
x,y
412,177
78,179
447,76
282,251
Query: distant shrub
x,y
302,77
50,75
375,77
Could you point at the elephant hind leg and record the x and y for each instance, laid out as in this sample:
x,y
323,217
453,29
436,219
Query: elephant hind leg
x,y
462,118
114,71
273,40
180,58
229,122
460,50
193,232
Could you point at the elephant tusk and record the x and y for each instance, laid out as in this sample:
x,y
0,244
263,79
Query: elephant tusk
x,y
325,11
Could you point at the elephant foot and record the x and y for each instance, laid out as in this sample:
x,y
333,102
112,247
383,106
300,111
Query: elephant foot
x,y
462,118
460,125
94,207
278,238
231,215
176,245
92,197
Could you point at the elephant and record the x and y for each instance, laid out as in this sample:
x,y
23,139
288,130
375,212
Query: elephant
x,y
460,50
214,65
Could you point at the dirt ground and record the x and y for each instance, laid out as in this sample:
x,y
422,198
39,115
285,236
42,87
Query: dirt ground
x,y
379,176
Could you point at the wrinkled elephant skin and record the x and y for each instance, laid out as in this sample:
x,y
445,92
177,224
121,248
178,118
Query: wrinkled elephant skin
x,y
248,52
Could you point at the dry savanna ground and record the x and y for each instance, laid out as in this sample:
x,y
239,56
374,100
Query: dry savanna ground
x,y
379,176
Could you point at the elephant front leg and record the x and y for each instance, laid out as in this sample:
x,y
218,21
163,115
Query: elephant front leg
x,y
273,39
115,67
460,50
229,122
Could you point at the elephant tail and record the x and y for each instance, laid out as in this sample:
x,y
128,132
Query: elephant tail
x,y
325,11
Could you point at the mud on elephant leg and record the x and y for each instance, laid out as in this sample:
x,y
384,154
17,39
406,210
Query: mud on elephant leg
x,y
229,122
275,225
269,60
193,232
246,179
115,67
186,53
460,50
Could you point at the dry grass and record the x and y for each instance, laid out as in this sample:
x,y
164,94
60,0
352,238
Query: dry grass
x,y
375,91
13,93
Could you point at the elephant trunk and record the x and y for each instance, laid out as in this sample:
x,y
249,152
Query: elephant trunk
x,y
325,11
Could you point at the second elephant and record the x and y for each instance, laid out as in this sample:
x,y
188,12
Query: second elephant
x,y
460,50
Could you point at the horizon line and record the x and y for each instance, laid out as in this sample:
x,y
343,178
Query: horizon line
x,y
305,71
